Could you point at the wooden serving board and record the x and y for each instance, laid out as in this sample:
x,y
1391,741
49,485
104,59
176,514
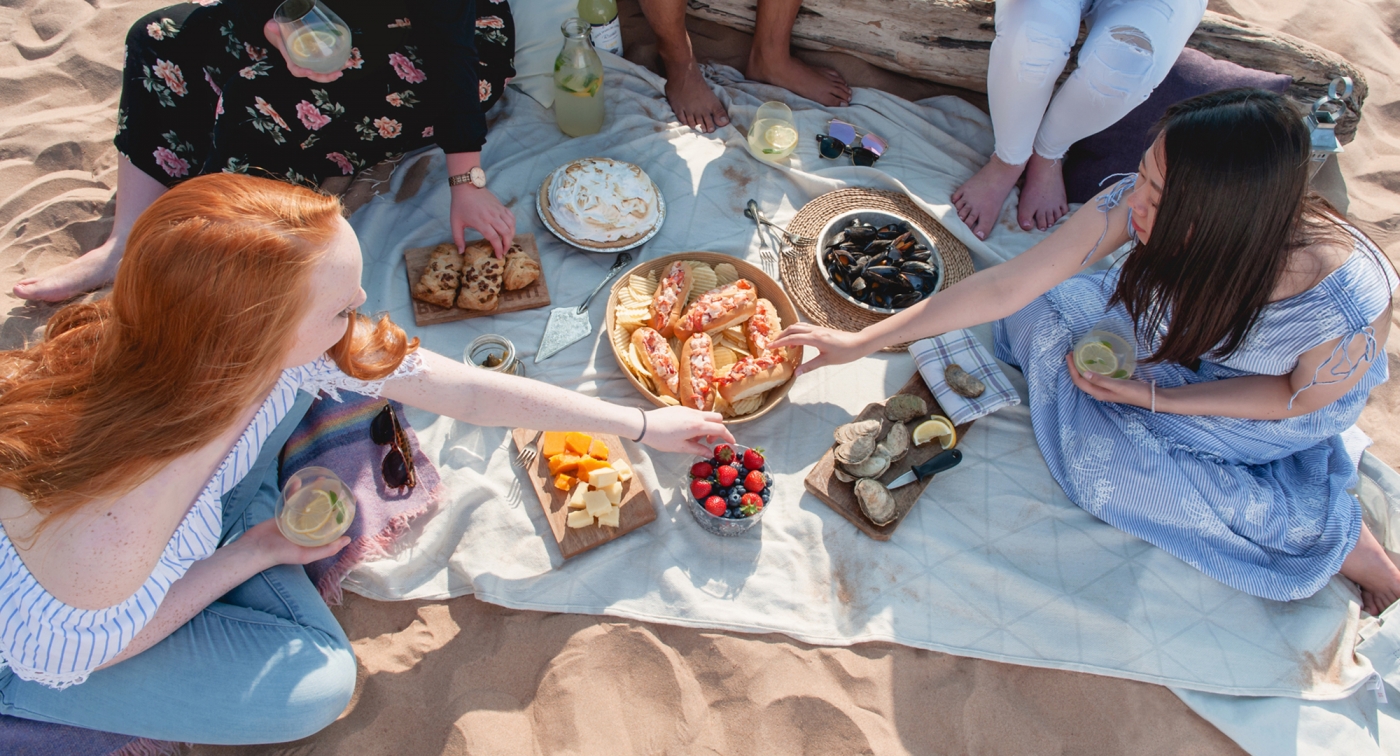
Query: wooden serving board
x,y
822,482
637,509
532,296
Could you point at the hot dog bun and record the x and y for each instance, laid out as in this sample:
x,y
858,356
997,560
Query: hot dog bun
x,y
657,357
697,373
672,291
718,309
755,375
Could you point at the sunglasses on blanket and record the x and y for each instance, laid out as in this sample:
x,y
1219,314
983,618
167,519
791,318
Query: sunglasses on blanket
x,y
397,467
841,138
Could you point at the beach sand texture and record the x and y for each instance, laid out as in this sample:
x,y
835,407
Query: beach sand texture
x,y
463,676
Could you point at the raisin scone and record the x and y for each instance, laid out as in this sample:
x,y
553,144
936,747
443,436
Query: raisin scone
x,y
520,270
440,280
481,279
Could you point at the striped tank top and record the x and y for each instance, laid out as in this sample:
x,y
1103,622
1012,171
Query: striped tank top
x,y
47,641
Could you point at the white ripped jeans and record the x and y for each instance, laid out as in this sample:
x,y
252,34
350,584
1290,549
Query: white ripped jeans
x,y
1131,46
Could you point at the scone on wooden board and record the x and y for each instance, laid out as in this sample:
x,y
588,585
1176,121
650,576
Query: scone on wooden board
x,y
422,283
520,271
441,278
481,279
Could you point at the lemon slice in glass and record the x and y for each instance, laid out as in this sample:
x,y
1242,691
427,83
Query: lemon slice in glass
x,y
1097,357
314,515
781,136
936,427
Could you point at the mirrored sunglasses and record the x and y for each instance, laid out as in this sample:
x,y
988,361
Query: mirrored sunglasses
x,y
842,138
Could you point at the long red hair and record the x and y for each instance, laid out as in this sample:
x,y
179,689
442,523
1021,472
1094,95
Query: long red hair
x,y
209,294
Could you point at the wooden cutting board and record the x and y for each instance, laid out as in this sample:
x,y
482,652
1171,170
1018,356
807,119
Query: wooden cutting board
x,y
532,296
822,482
637,509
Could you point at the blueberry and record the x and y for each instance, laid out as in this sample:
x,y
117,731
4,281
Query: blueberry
x,y
765,493
767,480
741,470
735,497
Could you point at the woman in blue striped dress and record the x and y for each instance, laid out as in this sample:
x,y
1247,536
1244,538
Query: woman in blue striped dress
x,y
1260,319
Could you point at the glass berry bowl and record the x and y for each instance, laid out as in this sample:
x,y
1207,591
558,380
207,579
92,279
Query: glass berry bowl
x,y
742,502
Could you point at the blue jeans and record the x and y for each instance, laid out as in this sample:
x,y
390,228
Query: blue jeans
x,y
265,663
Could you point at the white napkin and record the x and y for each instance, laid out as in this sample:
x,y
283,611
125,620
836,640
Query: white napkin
x,y
933,356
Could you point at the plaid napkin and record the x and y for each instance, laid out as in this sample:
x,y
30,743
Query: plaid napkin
x,y
933,355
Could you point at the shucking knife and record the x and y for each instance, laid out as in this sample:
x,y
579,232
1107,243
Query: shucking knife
x,y
944,461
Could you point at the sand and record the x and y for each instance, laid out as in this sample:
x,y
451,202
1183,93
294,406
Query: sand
x,y
462,676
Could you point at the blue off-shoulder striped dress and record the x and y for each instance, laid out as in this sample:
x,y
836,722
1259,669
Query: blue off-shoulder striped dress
x,y
1260,505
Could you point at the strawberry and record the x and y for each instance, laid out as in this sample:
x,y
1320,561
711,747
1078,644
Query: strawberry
x,y
724,453
715,506
750,504
700,488
726,475
754,482
753,459
701,470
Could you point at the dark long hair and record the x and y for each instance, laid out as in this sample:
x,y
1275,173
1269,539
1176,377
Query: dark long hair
x,y
1235,205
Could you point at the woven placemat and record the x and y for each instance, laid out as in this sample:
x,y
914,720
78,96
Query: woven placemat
x,y
803,279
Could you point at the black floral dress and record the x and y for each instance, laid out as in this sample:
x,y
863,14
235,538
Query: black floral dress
x,y
205,91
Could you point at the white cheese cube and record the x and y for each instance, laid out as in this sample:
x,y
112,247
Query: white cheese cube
x,y
579,518
576,498
614,492
596,503
610,517
624,470
602,477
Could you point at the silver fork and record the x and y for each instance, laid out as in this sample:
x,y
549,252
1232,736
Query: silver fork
x,y
765,253
527,456
793,240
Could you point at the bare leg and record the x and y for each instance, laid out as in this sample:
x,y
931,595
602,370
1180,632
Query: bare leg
x,y
771,61
980,198
95,269
694,103
1369,566
1043,195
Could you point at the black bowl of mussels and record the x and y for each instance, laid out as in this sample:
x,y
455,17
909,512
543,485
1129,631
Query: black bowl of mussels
x,y
878,261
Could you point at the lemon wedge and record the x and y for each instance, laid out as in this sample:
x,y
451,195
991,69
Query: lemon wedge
x,y
936,427
781,136
314,514
1097,357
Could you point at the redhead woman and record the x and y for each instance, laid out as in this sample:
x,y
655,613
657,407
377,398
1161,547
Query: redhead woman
x,y
143,588
1260,319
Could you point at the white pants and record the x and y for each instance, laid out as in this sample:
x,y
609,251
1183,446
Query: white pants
x,y
1131,46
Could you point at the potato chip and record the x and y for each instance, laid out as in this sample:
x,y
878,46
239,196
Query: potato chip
x,y
705,280
749,405
627,298
724,357
722,407
642,288
726,274
669,401
733,338
631,317
621,338
720,372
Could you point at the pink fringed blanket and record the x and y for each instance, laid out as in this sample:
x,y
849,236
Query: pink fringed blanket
x,y
335,435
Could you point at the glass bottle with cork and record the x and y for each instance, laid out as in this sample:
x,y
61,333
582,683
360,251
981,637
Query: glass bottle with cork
x,y
604,28
578,82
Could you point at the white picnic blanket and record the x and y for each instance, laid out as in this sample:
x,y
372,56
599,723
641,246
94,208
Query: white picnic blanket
x,y
993,562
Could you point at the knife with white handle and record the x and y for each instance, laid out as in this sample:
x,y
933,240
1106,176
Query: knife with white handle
x,y
944,461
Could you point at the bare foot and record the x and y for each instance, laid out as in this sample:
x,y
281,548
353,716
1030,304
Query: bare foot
x,y
980,198
1043,195
694,103
93,270
823,85
1375,571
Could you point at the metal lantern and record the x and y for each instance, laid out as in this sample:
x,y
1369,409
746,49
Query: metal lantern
x,y
1322,122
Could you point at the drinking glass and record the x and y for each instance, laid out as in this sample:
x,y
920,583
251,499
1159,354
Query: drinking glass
x,y
315,508
773,135
316,38
1109,348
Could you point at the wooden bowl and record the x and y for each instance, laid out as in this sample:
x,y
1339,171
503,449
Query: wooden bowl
x,y
767,289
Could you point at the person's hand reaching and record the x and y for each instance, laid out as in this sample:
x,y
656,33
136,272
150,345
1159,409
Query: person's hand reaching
x,y
834,347
479,209
273,32
685,430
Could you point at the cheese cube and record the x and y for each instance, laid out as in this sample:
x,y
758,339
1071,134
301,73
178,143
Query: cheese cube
x,y
614,492
624,470
576,499
610,517
602,477
577,443
553,443
587,465
563,463
579,518
563,481
598,449
596,503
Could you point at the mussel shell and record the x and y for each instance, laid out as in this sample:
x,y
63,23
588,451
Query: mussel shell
x,y
891,231
918,266
858,285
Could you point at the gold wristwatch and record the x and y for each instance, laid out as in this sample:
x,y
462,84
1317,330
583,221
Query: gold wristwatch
x,y
476,177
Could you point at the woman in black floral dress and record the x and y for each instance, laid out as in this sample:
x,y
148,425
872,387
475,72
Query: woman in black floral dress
x,y
208,88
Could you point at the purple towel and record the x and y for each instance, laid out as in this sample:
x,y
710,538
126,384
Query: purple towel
x,y
335,435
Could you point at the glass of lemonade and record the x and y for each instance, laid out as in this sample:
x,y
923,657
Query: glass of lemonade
x,y
773,135
578,82
1107,349
315,37
315,508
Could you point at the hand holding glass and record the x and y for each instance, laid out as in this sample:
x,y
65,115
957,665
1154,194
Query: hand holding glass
x,y
315,37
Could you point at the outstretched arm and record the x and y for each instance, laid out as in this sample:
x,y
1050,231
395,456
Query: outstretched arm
x,y
482,397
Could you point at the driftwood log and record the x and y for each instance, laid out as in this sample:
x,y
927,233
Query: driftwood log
x,y
948,41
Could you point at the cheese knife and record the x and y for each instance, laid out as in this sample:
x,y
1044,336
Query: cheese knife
x,y
943,461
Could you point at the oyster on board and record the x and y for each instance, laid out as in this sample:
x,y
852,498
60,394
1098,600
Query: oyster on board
x,y
902,407
962,383
896,443
872,467
876,501
849,431
856,441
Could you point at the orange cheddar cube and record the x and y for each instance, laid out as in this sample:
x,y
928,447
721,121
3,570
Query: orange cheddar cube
x,y
587,465
553,443
577,443
598,449
564,481
563,463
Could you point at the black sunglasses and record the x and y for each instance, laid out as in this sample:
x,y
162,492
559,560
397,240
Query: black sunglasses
x,y
397,467
841,139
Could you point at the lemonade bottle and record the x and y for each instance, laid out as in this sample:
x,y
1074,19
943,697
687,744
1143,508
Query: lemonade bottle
x,y
316,507
605,30
578,82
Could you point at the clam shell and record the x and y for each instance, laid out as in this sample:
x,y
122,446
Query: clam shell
x,y
896,443
962,383
842,475
849,431
873,467
876,501
856,451
902,407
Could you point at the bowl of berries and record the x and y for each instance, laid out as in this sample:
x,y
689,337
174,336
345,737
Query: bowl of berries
x,y
729,491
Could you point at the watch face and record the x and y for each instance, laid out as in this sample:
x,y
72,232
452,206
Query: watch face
x,y
478,178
